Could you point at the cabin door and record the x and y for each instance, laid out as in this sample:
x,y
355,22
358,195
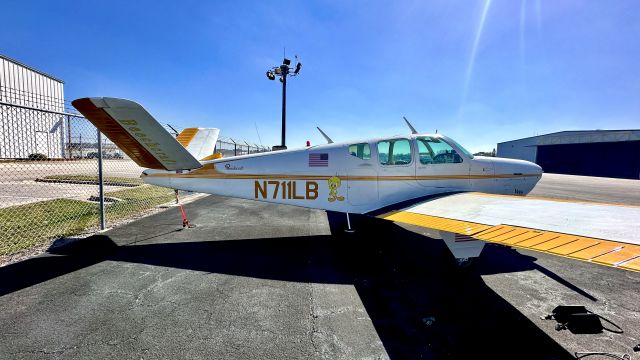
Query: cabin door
x,y
396,171
439,167
362,184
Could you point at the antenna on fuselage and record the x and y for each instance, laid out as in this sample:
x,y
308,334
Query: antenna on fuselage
x,y
175,132
413,130
326,137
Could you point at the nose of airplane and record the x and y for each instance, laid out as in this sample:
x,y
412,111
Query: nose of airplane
x,y
516,167
535,168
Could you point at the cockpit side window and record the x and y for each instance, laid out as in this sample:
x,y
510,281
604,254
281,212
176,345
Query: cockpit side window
x,y
361,151
436,151
394,152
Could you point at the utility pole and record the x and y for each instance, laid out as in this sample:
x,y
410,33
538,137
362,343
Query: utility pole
x,y
283,79
283,71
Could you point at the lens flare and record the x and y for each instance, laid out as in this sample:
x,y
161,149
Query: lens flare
x,y
523,19
539,14
474,50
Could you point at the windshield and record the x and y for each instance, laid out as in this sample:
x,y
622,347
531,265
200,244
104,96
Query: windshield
x,y
460,147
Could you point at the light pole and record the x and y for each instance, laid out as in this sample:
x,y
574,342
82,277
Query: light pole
x,y
283,71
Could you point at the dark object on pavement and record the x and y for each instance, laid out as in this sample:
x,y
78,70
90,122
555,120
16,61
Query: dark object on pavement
x,y
579,320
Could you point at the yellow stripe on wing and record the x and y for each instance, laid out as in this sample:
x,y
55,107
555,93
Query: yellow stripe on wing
x,y
604,252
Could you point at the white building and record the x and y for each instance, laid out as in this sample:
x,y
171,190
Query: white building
x,y
31,107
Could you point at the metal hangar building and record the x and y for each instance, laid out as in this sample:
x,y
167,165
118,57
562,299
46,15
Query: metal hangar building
x,y
31,111
605,153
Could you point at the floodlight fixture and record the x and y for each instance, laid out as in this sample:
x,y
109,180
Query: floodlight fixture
x,y
283,71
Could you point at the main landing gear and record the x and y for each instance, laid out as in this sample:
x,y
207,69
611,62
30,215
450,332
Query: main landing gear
x,y
349,229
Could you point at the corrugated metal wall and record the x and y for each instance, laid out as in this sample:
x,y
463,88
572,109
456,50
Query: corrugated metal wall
x,y
524,149
23,131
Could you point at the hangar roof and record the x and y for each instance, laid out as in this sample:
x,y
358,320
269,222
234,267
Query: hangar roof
x,y
30,68
579,136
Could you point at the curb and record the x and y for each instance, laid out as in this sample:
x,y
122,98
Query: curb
x,y
86,182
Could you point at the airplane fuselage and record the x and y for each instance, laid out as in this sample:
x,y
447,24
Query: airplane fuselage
x,y
357,176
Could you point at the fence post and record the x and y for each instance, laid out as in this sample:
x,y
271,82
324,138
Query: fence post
x,y
100,181
69,136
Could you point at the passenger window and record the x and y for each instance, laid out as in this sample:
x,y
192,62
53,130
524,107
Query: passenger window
x,y
394,152
436,151
362,151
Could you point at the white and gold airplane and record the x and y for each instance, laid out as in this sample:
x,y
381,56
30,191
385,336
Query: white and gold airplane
x,y
427,180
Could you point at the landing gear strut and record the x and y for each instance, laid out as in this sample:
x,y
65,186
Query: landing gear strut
x,y
348,229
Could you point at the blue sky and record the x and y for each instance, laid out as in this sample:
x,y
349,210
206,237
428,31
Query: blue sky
x,y
538,66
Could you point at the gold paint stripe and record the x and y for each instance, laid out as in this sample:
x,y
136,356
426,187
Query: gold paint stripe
x,y
214,174
212,156
117,133
433,222
578,245
627,253
554,243
491,229
604,252
540,239
594,251
186,136
505,229
522,237
633,265
511,234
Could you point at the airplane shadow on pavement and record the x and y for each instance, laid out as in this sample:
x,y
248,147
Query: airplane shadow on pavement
x,y
420,306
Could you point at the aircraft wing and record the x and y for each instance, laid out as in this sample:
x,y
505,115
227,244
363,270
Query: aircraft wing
x,y
607,234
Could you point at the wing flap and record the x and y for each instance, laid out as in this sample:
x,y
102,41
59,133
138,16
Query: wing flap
x,y
620,253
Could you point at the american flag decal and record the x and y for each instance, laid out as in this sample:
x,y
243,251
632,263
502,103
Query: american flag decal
x,y
318,160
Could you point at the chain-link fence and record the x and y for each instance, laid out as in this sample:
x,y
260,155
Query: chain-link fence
x,y
49,184
230,147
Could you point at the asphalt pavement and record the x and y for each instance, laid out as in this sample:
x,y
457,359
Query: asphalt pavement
x,y
587,188
261,281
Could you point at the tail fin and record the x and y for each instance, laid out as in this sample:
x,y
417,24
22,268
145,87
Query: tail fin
x,y
198,141
137,133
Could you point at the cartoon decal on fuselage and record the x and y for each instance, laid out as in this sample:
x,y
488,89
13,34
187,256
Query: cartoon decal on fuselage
x,y
334,183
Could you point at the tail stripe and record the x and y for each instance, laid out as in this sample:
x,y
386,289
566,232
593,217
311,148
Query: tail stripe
x,y
116,133
137,133
186,136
